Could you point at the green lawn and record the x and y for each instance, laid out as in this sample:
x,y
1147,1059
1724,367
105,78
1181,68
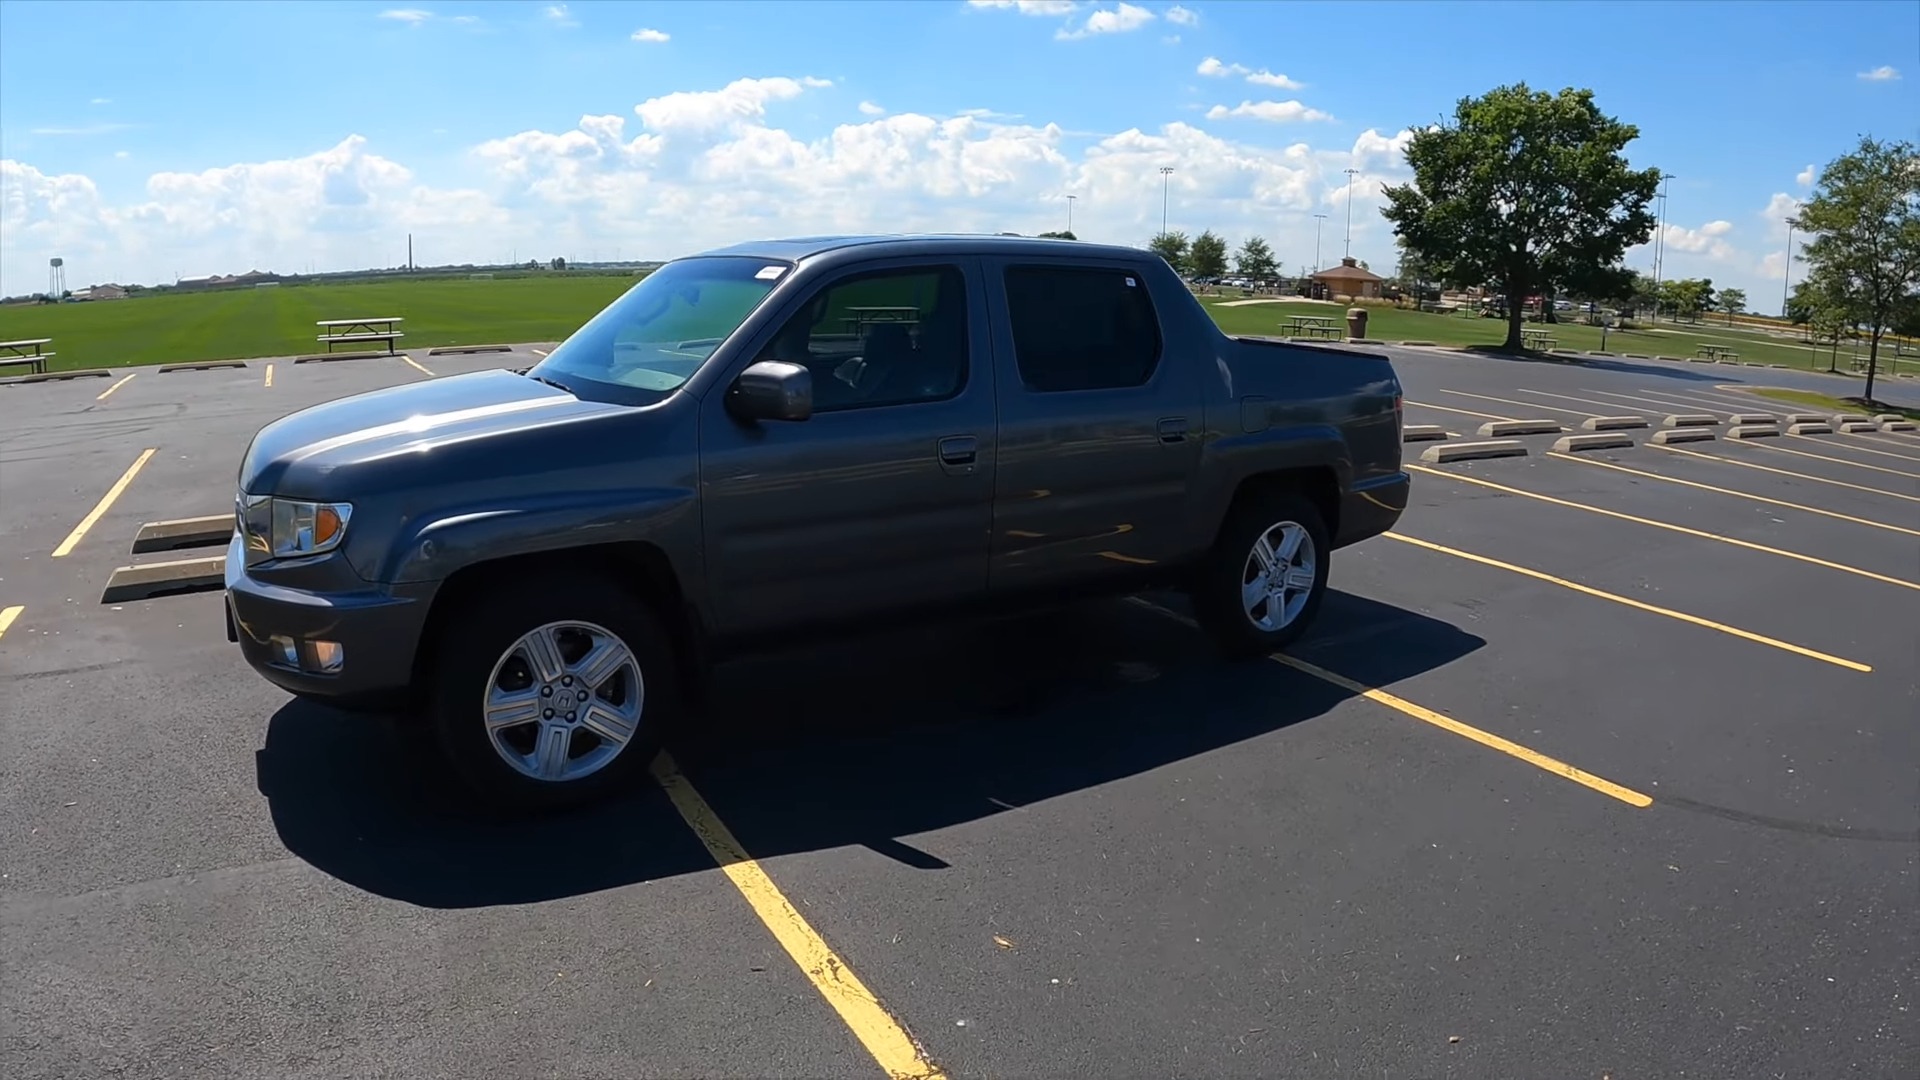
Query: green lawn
x,y
1828,403
217,325
228,324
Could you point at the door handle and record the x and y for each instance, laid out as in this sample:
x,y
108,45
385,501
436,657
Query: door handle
x,y
959,450
1173,429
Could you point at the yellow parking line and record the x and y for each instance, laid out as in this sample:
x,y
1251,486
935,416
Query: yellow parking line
x,y
269,381
1442,721
1822,457
102,396
1463,412
1850,441
1639,605
883,1036
1785,472
1524,404
1682,529
1738,494
417,366
106,501
7,615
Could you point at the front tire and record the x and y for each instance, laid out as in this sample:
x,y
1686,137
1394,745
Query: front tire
x,y
1262,583
552,693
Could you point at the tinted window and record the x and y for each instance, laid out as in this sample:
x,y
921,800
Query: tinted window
x,y
1081,329
887,338
658,333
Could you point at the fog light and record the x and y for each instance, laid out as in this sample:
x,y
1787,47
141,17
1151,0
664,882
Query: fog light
x,y
328,656
285,652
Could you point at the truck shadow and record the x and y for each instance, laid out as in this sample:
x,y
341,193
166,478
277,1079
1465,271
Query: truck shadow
x,y
858,742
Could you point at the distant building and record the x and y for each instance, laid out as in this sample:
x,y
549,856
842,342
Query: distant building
x,y
1349,279
101,292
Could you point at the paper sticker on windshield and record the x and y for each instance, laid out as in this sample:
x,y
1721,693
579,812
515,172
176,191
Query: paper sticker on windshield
x,y
768,273
1129,283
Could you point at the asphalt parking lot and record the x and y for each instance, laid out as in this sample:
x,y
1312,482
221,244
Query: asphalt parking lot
x,y
1602,765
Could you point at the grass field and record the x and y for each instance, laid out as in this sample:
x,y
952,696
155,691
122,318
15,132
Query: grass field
x,y
240,323
1829,403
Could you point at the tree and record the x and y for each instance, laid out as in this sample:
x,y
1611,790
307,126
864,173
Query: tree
x,y
1254,260
1865,253
1063,234
1686,296
1521,186
1731,301
1208,257
1171,246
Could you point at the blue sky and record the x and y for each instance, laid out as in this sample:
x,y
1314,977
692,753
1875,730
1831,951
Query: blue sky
x,y
151,139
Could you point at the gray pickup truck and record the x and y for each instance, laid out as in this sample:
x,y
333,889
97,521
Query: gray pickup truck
x,y
778,438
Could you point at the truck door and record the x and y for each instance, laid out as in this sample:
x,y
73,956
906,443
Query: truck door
x,y
1100,425
883,498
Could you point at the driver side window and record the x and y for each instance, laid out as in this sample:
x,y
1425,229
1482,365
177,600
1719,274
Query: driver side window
x,y
890,337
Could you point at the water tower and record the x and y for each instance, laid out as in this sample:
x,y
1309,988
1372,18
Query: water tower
x,y
56,277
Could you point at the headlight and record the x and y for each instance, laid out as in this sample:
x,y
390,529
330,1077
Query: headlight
x,y
289,528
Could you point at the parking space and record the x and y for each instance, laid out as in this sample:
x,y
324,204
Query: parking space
x,y
1601,764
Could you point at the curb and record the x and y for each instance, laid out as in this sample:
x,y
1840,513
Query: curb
x,y
148,580
1422,433
1810,427
201,365
59,376
1569,444
1855,427
1501,428
1752,418
448,349
1472,451
1898,425
321,358
183,533
1679,420
1613,423
1754,431
1681,434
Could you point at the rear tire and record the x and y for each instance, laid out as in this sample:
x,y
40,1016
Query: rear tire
x,y
1261,584
552,693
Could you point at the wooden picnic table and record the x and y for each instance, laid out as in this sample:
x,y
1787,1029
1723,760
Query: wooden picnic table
x,y
1312,326
351,331
1537,339
16,354
1716,352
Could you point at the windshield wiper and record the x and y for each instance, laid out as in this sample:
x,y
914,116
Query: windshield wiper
x,y
556,385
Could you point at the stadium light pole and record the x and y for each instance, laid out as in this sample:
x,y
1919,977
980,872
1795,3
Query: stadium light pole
x,y
1351,173
1786,272
1070,199
1318,220
1659,244
1166,172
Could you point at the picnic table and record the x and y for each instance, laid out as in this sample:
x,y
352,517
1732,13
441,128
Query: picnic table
x,y
1537,339
17,354
1312,326
354,331
1716,352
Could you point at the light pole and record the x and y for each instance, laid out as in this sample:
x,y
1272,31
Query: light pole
x,y
1318,219
1351,173
1166,171
1786,273
1070,199
1659,244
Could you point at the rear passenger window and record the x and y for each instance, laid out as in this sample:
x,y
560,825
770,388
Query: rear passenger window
x,y
889,337
1078,328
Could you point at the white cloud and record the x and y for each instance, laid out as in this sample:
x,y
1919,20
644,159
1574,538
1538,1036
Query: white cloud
x,y
559,16
1279,112
1180,16
1030,7
101,101
84,129
410,16
1883,73
1212,67
650,36
868,108
1119,20
1708,239
687,171
1805,177
1775,214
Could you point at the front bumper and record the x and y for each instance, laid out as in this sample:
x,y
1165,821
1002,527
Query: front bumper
x,y
1372,507
294,637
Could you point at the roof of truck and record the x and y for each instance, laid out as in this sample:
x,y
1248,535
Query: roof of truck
x,y
804,247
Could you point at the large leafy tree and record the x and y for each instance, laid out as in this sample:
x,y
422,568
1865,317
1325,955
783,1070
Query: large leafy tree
x,y
1731,301
1255,260
1865,253
1171,246
1522,188
1208,257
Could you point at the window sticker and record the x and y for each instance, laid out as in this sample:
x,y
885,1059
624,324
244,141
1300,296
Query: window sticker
x,y
1130,283
768,273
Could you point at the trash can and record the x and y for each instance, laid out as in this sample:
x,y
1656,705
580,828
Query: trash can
x,y
1356,323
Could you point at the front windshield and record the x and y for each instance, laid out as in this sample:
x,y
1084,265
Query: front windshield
x,y
656,335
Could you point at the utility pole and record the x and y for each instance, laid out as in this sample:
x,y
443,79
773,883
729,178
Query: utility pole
x,y
1351,173
1166,171
1070,199
1786,273
1318,220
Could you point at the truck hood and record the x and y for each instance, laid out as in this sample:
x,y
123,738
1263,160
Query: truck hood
x,y
300,449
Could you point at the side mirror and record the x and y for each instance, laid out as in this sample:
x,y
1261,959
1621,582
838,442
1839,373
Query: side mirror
x,y
772,390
